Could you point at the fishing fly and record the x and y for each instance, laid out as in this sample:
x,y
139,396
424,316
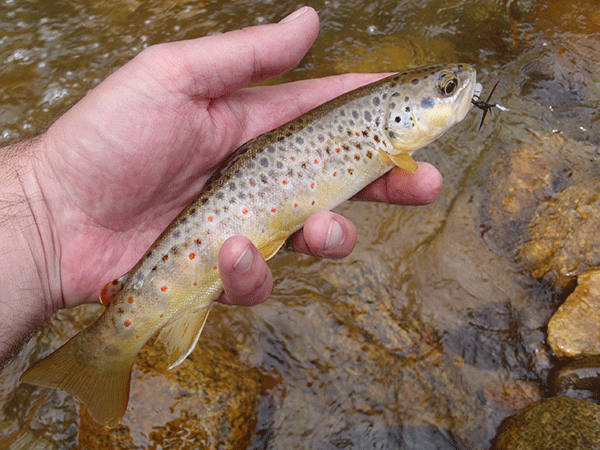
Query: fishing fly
x,y
486,105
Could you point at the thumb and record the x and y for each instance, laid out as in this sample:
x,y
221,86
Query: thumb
x,y
212,66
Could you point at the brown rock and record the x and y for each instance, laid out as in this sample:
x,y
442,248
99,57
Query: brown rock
x,y
574,330
557,423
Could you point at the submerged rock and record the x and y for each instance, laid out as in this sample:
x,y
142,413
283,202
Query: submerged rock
x,y
557,423
574,330
543,209
198,404
579,378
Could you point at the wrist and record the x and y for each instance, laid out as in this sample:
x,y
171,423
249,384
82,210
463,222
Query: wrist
x,y
29,276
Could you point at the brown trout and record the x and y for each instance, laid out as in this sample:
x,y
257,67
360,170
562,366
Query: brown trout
x,y
265,190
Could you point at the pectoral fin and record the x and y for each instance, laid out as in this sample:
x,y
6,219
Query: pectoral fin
x,y
180,337
402,160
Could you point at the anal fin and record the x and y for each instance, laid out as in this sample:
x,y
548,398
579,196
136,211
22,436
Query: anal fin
x,y
180,337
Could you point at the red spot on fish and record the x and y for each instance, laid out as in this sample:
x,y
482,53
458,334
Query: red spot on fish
x,y
192,255
312,185
164,258
316,161
127,323
215,267
263,230
137,337
164,288
293,158
338,150
195,283
211,218
285,181
162,315
273,209
335,174
357,134
245,211
130,299
295,205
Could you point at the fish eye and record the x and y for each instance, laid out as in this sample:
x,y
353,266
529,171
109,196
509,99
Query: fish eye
x,y
448,85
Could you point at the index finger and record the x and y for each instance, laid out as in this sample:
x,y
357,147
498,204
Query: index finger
x,y
400,187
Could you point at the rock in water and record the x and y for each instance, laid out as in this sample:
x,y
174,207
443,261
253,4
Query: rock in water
x,y
574,330
556,423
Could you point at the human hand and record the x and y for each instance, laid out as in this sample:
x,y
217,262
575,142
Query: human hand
x,y
120,165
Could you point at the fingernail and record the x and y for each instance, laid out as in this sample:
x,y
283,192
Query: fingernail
x,y
244,262
334,235
294,15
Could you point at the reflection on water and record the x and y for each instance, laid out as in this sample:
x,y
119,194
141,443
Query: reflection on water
x,y
427,336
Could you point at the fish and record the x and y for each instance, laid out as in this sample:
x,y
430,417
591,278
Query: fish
x,y
265,190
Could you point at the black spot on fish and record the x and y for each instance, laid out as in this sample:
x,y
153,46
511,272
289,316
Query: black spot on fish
x,y
250,165
139,276
397,119
384,96
342,113
226,208
264,179
241,195
368,116
320,138
279,165
406,98
264,162
193,212
271,149
415,81
232,200
340,129
427,103
176,234
395,94
407,109
392,134
376,101
310,129
219,195
365,133
300,140
369,154
355,114
198,241
376,138
232,186
239,174
392,105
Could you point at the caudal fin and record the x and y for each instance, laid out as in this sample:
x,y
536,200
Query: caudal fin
x,y
103,390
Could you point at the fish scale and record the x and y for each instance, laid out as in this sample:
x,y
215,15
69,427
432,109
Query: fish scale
x,y
265,190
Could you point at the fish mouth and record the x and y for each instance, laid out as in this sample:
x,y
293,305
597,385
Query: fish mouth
x,y
463,103
477,91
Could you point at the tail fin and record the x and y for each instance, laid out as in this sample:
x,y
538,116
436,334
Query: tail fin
x,y
102,388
